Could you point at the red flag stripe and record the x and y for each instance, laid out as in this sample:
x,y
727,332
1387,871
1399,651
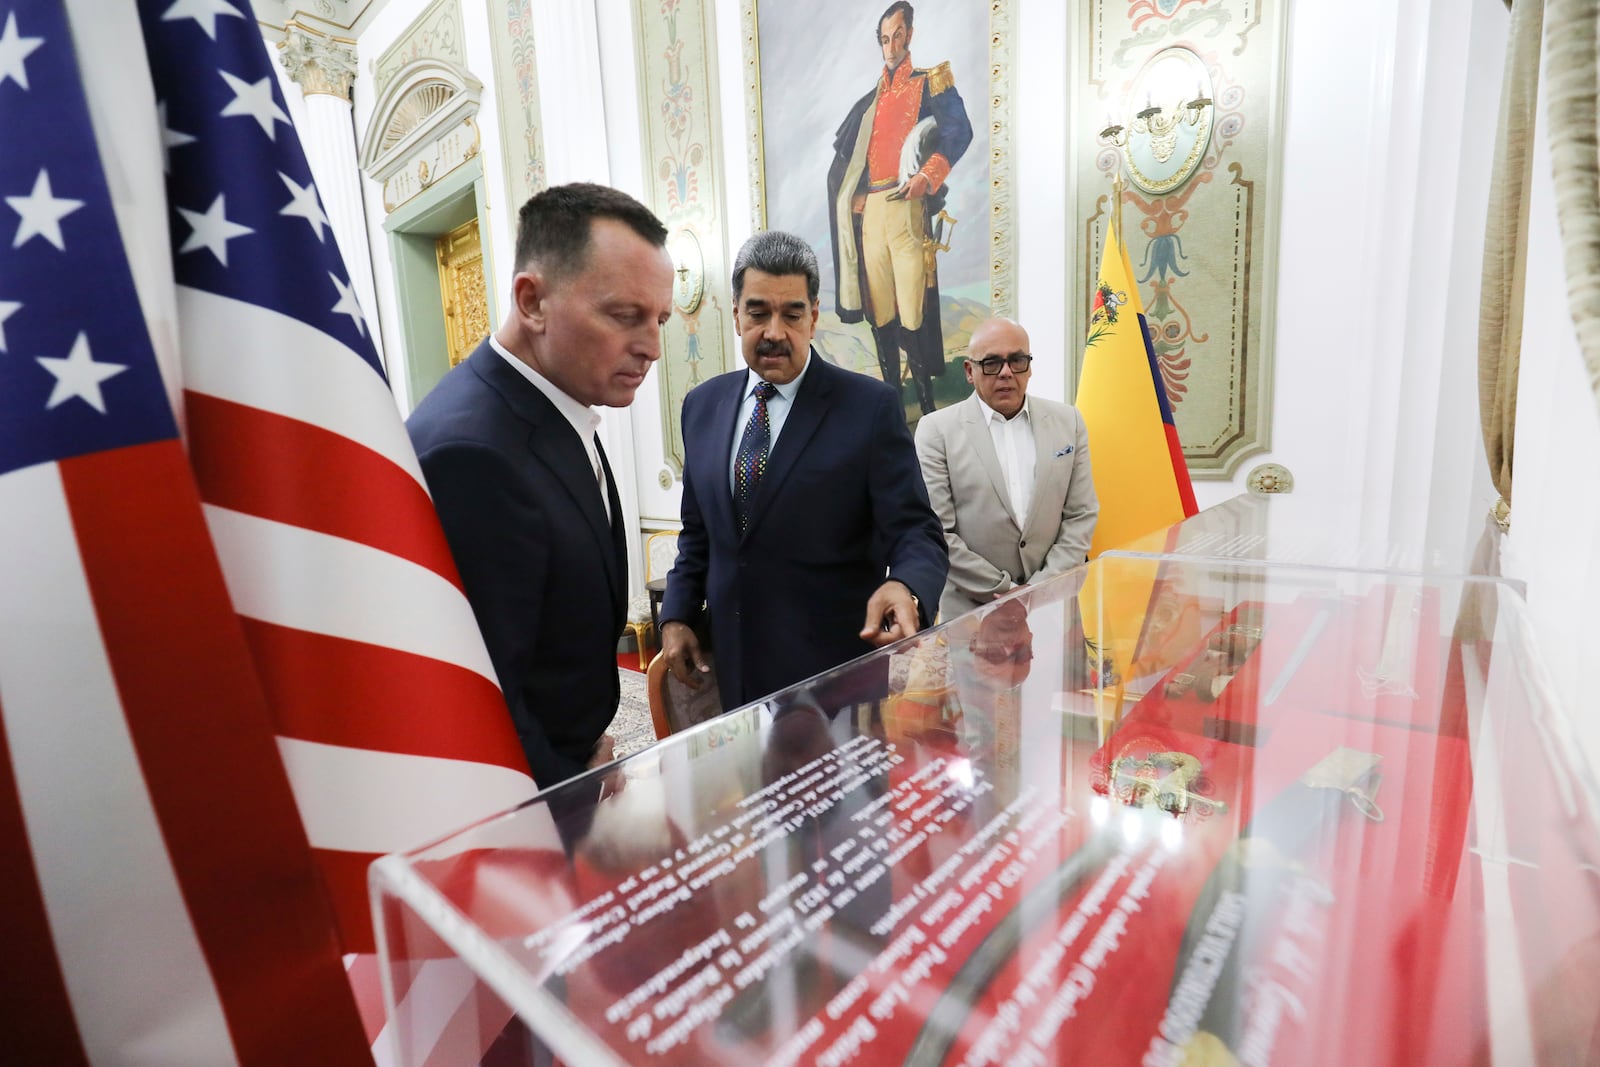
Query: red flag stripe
x,y
307,580
345,875
32,987
134,970
342,692
263,358
1180,471
306,476
220,793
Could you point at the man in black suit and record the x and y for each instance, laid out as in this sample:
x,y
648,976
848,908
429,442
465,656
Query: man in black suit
x,y
807,534
523,489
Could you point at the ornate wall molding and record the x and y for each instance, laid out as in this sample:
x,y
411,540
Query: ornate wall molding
x,y
319,63
516,90
421,129
1002,235
434,34
676,60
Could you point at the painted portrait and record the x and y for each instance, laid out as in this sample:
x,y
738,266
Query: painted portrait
x,y
875,140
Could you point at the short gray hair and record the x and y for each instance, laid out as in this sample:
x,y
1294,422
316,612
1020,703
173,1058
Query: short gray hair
x,y
777,253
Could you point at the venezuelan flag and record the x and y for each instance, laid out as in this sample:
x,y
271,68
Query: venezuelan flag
x,y
1139,472
1140,477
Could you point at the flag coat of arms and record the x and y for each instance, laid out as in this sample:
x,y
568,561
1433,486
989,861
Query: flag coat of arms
x,y
236,663
1140,476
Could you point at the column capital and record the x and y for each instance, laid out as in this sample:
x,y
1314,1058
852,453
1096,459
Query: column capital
x,y
316,61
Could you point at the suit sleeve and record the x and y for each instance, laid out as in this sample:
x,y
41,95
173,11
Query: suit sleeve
x,y
975,577
497,535
686,582
1079,511
906,526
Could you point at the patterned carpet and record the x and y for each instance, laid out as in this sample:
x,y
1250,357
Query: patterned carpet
x,y
632,728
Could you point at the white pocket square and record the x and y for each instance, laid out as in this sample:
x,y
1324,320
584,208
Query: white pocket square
x,y
1063,452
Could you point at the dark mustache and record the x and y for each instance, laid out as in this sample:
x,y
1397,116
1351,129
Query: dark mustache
x,y
772,348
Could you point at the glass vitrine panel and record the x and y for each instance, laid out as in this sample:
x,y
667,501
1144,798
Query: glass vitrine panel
x,y
1175,807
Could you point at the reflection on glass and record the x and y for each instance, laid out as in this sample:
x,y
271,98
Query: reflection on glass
x,y
979,848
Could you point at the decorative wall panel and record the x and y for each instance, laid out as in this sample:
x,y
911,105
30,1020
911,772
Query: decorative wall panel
x,y
435,34
1200,206
516,91
683,167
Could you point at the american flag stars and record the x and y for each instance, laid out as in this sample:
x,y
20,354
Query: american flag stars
x,y
211,230
79,376
204,13
8,308
42,212
78,373
234,193
347,304
255,100
303,203
170,138
14,48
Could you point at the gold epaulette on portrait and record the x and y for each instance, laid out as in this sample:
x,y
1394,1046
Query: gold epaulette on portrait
x,y
939,78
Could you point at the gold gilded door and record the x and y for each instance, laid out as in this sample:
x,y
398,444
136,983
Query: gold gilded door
x,y
462,291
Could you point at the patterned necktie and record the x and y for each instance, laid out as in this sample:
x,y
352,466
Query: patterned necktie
x,y
750,463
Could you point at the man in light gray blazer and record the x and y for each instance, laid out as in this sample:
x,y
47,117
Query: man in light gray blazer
x,y
1007,474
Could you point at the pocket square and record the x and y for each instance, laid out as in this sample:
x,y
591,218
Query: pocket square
x,y
1063,452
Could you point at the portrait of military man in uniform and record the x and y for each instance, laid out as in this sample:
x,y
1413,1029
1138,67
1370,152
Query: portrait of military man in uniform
x,y
875,166
891,161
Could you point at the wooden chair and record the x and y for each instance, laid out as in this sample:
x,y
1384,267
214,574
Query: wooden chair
x,y
673,705
660,552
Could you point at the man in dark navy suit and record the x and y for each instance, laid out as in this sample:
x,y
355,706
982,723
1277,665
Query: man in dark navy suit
x,y
523,488
807,534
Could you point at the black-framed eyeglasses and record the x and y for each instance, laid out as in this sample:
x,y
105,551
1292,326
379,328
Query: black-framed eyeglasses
x,y
1017,361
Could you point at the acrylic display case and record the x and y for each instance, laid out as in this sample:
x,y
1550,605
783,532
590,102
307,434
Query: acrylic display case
x,y
1191,804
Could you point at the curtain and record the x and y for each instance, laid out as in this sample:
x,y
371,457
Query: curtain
x,y
1573,81
1506,248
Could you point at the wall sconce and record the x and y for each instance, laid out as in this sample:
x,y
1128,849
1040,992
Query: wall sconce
x,y
1161,146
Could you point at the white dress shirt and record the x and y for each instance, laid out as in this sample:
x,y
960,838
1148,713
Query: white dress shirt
x,y
777,411
584,419
1013,444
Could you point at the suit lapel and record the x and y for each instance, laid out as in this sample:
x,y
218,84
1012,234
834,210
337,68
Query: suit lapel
x,y
554,445
809,406
711,472
978,438
1049,435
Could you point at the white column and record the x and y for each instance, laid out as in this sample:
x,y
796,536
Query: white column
x,y
324,67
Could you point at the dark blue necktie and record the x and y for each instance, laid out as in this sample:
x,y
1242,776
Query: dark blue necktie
x,y
750,462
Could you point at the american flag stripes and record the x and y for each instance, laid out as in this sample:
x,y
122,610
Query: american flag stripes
x,y
170,913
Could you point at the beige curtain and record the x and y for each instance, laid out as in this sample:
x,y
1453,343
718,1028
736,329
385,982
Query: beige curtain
x,y
1574,79
1505,250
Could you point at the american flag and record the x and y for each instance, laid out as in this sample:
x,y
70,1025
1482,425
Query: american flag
x,y
149,711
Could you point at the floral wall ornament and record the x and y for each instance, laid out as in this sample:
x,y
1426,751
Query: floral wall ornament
x,y
516,87
1186,97
676,57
